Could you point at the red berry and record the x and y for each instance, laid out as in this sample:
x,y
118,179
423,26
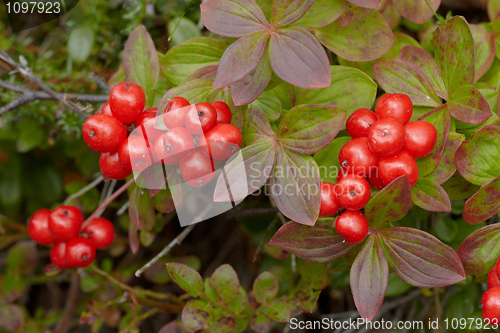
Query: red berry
x,y
145,125
353,226
493,280
341,175
394,106
175,144
356,157
223,141
58,255
106,109
176,103
359,123
497,265
65,222
353,192
101,232
420,138
400,164
134,153
80,252
127,101
103,133
329,204
490,303
197,169
224,114
201,119
38,227
111,167
386,137
375,180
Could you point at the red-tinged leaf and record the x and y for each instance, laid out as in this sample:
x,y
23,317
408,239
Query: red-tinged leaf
x,y
446,167
367,3
225,281
307,299
430,196
286,12
484,204
321,13
454,49
222,325
369,277
265,288
298,58
493,8
140,210
204,73
401,76
140,62
355,42
353,14
163,202
172,327
294,186
480,251
12,317
308,128
427,164
257,127
477,159
51,270
234,19
269,104
259,322
194,91
194,316
423,60
240,303
279,311
484,42
420,259
240,58
318,244
458,188
276,252
186,277
133,238
416,11
315,275
441,119
390,204
467,104
390,14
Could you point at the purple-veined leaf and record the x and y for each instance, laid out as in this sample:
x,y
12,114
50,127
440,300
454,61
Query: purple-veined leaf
x,y
467,104
484,42
186,277
315,275
353,14
369,276
269,104
294,186
427,164
458,188
141,212
225,281
493,9
430,196
366,3
421,259
321,13
133,238
454,53
416,11
204,73
320,243
234,18
285,12
355,42
298,58
140,62
265,287
446,167
484,204
441,119
477,159
279,311
390,204
195,316
240,58
480,251
401,76
259,322
308,128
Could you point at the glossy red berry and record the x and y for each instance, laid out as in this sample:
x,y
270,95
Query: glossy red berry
x,y
490,304
497,265
394,106
197,169
359,123
176,103
100,232
352,226
135,154
400,164
80,252
341,174
38,227
201,119
329,204
111,167
65,222
146,125
224,114
127,101
103,133
221,142
353,192
375,180
175,144
493,280
356,157
105,109
386,137
420,138
58,255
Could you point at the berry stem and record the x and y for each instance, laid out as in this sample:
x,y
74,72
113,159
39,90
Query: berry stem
x,y
84,190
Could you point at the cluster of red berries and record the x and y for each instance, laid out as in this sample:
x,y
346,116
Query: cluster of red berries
x,y
195,137
384,146
490,302
74,246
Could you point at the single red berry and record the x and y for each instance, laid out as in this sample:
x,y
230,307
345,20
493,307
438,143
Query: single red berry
x,y
353,226
106,109
176,103
359,123
224,114
103,133
353,192
145,125
386,137
356,157
420,138
65,222
38,227
176,118
80,252
127,101
329,204
223,141
134,153
58,255
497,265
375,180
197,169
341,174
101,232
490,303
111,167
400,164
493,280
201,119
394,106
175,144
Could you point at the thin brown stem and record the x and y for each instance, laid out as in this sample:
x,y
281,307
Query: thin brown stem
x,y
70,304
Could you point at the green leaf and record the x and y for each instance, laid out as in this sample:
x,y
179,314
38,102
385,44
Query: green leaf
x,y
307,299
427,164
181,29
446,166
430,196
265,288
490,94
440,118
163,201
195,316
321,13
269,104
279,311
240,303
285,12
328,159
353,14
315,275
186,277
416,11
485,49
141,210
31,135
484,204
446,229
396,286
22,258
80,43
225,281
222,325
468,105
458,188
259,322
